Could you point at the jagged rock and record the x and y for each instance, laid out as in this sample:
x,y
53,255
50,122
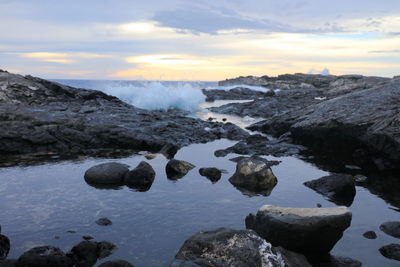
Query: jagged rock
x,y
305,230
238,93
213,174
176,169
339,188
228,247
254,175
141,178
370,235
45,256
104,221
116,263
4,246
106,173
391,251
391,228
86,253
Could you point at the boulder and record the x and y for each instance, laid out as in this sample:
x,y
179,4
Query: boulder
x,y
176,169
391,228
141,178
304,230
391,251
45,256
227,247
254,175
116,263
106,173
86,253
370,235
339,188
213,174
4,246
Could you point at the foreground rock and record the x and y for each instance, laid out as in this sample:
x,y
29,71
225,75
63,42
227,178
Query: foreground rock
x,y
4,246
86,253
254,175
391,228
45,256
227,247
213,174
305,230
111,173
43,117
141,178
176,169
391,251
339,188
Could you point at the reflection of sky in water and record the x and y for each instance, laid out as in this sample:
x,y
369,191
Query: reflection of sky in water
x,y
41,202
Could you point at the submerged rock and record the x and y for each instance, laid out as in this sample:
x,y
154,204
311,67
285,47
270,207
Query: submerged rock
x,y
176,169
45,256
104,221
116,263
305,230
225,247
391,251
254,175
4,246
107,173
339,188
141,178
213,174
391,228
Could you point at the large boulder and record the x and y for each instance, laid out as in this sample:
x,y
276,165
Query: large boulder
x,y
141,178
45,256
107,173
176,169
391,228
254,175
213,174
305,230
339,188
4,246
225,247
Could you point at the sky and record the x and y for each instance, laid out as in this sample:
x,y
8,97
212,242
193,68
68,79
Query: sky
x,y
206,40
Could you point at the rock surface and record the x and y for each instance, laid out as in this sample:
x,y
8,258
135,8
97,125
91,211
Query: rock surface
x,y
4,246
86,253
141,178
106,173
391,228
104,221
391,251
45,256
116,263
213,174
176,169
339,188
370,235
305,230
226,247
237,93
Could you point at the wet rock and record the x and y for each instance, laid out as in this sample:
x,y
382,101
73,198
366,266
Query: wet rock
x,y
213,174
105,249
9,263
391,228
254,175
360,179
104,221
150,156
327,260
370,235
391,251
227,247
45,256
106,173
269,163
305,230
4,246
339,188
87,237
176,169
141,178
238,93
169,150
116,263
86,253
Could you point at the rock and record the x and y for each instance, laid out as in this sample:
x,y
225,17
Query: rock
x,y
141,178
254,175
360,179
238,93
391,251
213,174
269,163
104,221
105,249
304,230
176,169
391,228
9,263
4,246
327,260
150,156
370,235
45,256
106,173
86,253
116,263
169,150
228,247
87,237
339,188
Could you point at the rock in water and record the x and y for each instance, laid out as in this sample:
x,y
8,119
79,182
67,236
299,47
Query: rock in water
x,y
45,256
86,253
141,178
116,263
213,174
4,246
106,173
104,221
370,235
391,228
305,230
225,247
339,188
176,169
253,175
391,251
327,260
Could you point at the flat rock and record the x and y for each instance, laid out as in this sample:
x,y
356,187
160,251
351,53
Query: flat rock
x,y
45,256
106,173
391,251
213,174
176,169
305,230
391,228
339,188
141,178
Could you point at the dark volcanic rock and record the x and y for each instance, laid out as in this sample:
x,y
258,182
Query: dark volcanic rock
x,y
339,188
141,178
370,235
213,174
391,228
305,230
391,251
86,253
254,175
116,263
104,221
227,247
238,93
106,173
45,256
176,169
4,246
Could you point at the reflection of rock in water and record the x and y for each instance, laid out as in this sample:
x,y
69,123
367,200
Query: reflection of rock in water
x,y
386,187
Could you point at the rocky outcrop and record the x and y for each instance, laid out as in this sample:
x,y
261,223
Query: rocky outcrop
x,y
391,251
141,178
176,169
45,256
111,173
305,230
213,174
225,247
391,228
238,93
339,188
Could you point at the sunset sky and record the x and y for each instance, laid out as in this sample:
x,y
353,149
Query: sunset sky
x,y
198,40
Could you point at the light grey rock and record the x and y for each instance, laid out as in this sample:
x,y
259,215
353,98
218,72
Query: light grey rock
x,y
106,173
